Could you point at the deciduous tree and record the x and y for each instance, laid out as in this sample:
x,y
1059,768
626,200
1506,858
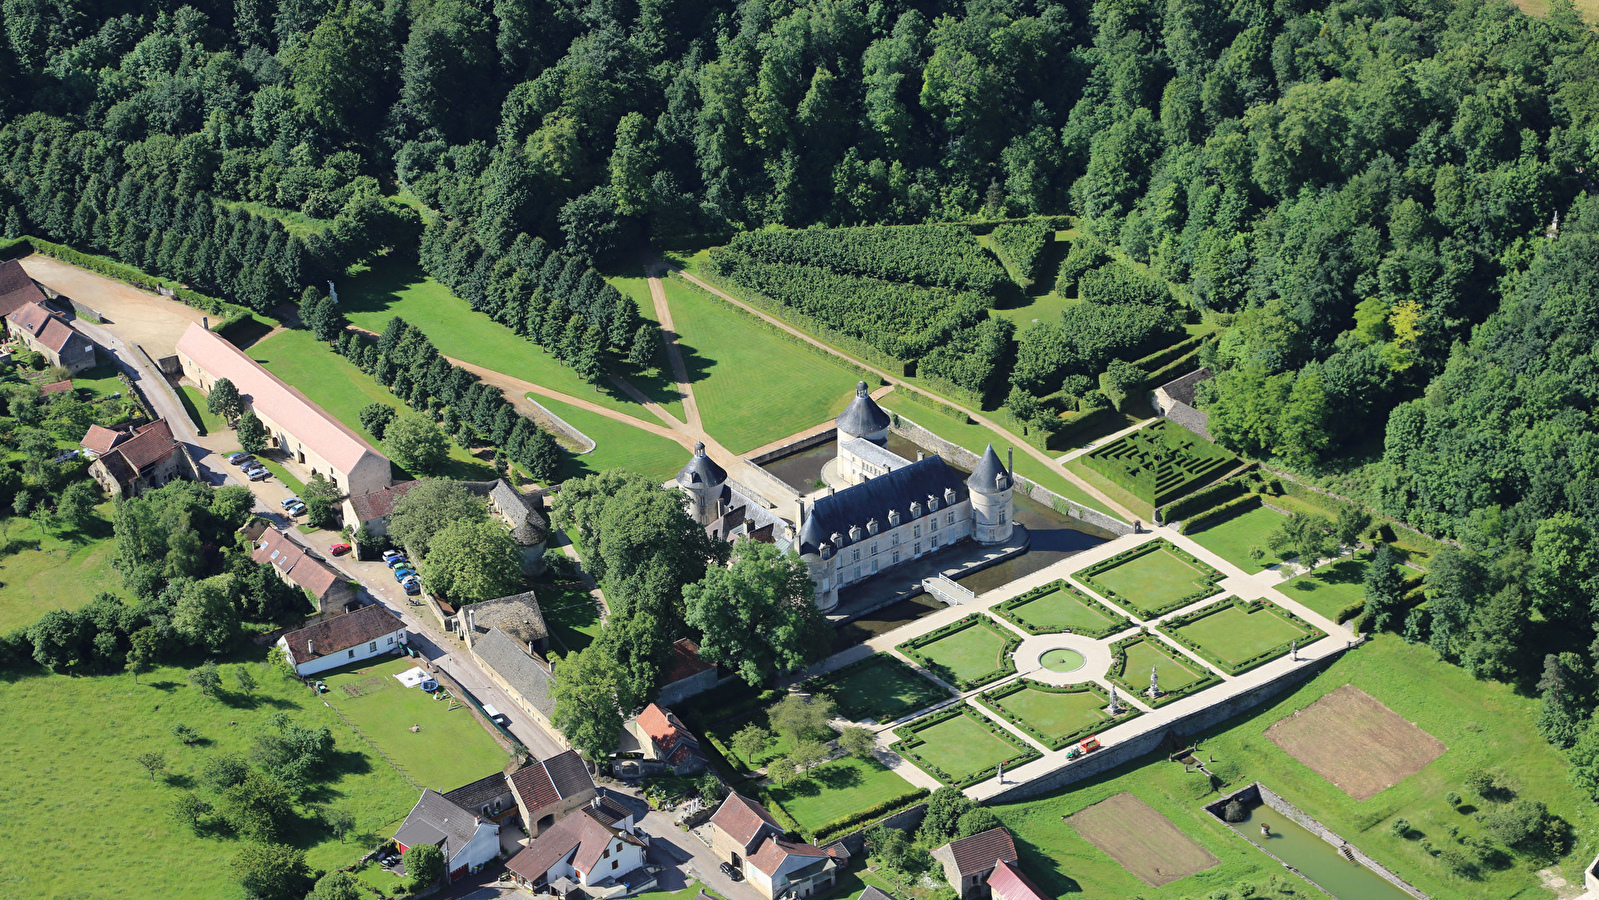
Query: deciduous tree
x,y
758,616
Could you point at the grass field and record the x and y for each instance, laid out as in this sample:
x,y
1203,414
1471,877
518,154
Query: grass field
x,y
777,745
837,789
194,403
752,386
571,614
1042,308
1232,538
294,222
962,746
881,689
1051,714
70,773
335,384
1062,609
1234,636
1176,672
975,654
100,381
617,444
451,748
1330,588
69,570
1152,581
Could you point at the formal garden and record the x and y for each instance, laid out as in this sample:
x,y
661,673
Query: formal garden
x,y
1153,578
1055,716
1059,607
1157,463
960,746
1336,590
1133,658
879,688
1236,636
967,653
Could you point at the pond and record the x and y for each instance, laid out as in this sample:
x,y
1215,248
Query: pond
x,y
1316,859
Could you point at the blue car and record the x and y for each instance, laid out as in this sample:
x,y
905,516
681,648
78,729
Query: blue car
x,y
403,573
397,561
412,586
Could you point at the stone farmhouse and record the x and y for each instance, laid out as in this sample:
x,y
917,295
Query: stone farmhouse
x,y
552,789
969,862
44,329
312,440
329,591
16,288
663,739
128,462
339,641
745,835
518,512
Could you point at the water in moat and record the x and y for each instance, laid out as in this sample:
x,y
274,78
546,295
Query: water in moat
x,y
802,471
1314,858
1052,537
884,620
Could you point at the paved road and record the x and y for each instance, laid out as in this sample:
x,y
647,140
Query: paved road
x,y
687,859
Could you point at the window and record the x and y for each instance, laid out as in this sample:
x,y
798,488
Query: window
x,y
352,654
933,543
896,558
874,548
874,567
614,863
951,519
1002,517
606,854
857,573
895,542
918,550
391,638
857,552
917,531
933,523
373,647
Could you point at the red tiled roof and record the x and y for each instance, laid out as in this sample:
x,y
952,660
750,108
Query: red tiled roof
x,y
152,443
377,504
340,633
30,318
773,851
57,334
46,325
58,387
16,288
543,783
685,662
673,738
101,439
1009,883
275,549
978,852
742,819
582,839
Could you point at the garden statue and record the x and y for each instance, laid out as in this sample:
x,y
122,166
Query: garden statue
x,y
1293,649
1154,684
1115,703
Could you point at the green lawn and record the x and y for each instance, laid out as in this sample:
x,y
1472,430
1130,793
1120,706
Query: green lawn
x,y
962,746
282,474
200,414
294,222
571,614
837,789
100,381
751,385
1231,539
70,774
777,744
1059,610
1052,713
1484,724
1042,308
617,444
1152,581
1176,672
974,654
657,382
1234,636
451,748
1330,588
881,689
67,573
341,389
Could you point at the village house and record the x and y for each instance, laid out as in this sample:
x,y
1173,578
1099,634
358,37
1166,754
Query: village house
x,y
552,789
1009,882
489,797
687,675
128,462
745,835
518,616
328,590
372,509
339,641
311,440
968,862
17,289
467,840
42,328
517,511
510,664
591,850
664,739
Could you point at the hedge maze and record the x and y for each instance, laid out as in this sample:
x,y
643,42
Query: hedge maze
x,y
1159,463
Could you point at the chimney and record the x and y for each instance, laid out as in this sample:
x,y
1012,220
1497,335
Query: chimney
x,y
205,322
310,647
1010,459
921,455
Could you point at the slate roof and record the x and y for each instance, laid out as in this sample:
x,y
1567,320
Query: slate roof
x,y
1010,883
479,793
701,471
501,652
518,510
340,633
101,439
774,851
873,499
545,782
742,819
269,396
436,819
16,288
990,476
275,549
518,616
1182,389
608,811
978,852
863,415
578,839
377,504
677,743
875,893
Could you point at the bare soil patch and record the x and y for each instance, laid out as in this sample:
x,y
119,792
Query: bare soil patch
x,y
1355,742
1141,840
135,316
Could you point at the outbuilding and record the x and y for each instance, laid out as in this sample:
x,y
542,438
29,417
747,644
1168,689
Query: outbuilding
x,y
369,631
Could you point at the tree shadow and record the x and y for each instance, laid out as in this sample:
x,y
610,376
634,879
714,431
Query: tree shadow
x,y
697,367
179,780
838,777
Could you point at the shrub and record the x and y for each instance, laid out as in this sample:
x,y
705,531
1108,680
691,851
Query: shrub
x,y
1234,812
1400,827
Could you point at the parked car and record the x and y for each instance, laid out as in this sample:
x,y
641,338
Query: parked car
x,y
258,474
289,501
296,509
396,561
731,871
412,586
239,459
403,573
339,549
391,554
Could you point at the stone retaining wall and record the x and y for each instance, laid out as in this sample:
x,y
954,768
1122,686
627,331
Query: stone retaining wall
x,y
565,427
804,443
908,819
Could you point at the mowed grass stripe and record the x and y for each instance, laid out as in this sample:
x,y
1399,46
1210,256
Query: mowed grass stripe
x,y
961,746
616,444
1232,538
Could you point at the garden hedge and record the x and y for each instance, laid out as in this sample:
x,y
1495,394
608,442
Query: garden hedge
x,y
975,620
1211,576
909,741
991,700
1251,607
1118,673
1007,611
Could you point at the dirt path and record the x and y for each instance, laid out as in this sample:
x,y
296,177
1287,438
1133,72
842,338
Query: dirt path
x,y
137,317
1043,457
663,312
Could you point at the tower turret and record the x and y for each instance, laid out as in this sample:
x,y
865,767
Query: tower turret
x,y
817,551
992,507
863,418
702,480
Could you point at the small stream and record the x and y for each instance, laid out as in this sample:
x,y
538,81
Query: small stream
x,y
1316,859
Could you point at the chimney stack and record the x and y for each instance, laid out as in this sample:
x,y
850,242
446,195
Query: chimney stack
x,y
921,455
310,647
1010,460
205,322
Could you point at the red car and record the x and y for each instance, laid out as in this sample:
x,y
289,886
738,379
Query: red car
x,y
339,549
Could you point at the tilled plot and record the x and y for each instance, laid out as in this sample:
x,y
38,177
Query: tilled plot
x,y
1141,840
1355,742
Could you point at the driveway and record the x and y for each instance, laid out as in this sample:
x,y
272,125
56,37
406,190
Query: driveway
x,y
136,316
684,859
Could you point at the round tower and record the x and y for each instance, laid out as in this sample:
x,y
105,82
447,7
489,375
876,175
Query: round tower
x,y
817,553
702,480
863,418
992,509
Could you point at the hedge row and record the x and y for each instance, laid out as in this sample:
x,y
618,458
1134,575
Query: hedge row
x,y
880,811
1258,607
975,620
1164,356
1118,673
1201,500
1221,513
929,403
1007,611
909,740
1019,247
231,312
1211,576
1332,504
936,255
1054,742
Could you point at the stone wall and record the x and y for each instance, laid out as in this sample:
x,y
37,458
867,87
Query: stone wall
x,y
1185,727
965,459
804,443
1181,413
908,819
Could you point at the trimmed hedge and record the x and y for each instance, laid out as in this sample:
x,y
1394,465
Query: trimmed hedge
x,y
1159,463
1007,611
1202,500
991,700
136,277
1086,576
1234,507
975,620
1019,247
866,816
1256,607
1118,673
909,741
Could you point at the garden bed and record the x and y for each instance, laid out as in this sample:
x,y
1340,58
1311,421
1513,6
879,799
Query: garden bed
x,y
960,746
1130,661
1058,607
879,688
1236,636
1153,579
967,653
1055,716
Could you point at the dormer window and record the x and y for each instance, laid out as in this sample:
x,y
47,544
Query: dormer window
x,y
916,509
826,550
872,527
855,533
837,539
932,502
949,496
893,518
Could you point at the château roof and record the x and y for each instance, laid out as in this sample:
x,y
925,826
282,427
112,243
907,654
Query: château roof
x,y
863,415
990,476
701,471
916,482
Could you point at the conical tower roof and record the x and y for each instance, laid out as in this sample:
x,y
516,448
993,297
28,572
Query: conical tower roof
x,y
701,471
863,415
990,476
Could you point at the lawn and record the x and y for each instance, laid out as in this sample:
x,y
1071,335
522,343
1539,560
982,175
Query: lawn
x,y
657,382
451,748
294,222
572,615
1234,636
341,389
69,570
460,332
1484,724
879,688
70,774
617,444
194,403
752,386
973,652
1062,609
838,789
962,747
777,744
1042,308
1049,714
1176,671
1331,588
1232,538
100,381
1153,582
